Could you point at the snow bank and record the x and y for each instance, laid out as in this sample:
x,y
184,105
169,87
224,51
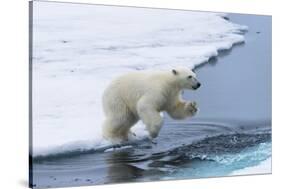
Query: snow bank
x,y
78,49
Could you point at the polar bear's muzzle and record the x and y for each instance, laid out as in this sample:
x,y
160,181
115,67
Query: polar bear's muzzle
x,y
196,86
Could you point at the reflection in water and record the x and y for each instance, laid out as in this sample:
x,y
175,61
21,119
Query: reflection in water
x,y
121,167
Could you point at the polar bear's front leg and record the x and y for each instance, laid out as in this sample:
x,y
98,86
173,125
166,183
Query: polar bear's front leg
x,y
183,109
150,117
191,108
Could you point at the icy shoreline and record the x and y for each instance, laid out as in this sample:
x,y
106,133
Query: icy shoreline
x,y
78,50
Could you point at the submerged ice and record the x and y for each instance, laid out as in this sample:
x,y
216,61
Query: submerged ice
x,y
79,49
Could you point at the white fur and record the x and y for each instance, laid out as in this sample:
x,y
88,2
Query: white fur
x,y
142,96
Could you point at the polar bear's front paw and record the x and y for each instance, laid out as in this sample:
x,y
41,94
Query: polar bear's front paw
x,y
192,108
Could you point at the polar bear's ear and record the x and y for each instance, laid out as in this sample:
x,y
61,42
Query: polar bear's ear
x,y
175,72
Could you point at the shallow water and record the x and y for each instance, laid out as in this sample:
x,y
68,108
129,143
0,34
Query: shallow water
x,y
231,131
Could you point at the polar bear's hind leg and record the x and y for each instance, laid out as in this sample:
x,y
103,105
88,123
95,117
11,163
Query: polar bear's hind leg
x,y
117,127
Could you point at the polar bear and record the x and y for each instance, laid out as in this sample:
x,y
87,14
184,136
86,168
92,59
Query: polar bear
x,y
142,96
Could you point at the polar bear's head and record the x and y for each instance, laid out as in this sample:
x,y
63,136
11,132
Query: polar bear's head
x,y
186,78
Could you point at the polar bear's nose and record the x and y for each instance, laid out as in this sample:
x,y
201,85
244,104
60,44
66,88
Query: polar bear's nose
x,y
197,86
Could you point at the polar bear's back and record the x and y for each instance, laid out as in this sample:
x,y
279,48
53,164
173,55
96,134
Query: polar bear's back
x,y
129,88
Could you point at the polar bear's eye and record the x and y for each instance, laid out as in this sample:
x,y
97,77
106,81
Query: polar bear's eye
x,y
189,77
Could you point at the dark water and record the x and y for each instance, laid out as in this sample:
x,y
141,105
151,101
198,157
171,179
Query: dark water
x,y
234,121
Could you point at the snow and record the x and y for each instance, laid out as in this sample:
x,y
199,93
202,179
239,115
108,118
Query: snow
x,y
78,49
263,168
